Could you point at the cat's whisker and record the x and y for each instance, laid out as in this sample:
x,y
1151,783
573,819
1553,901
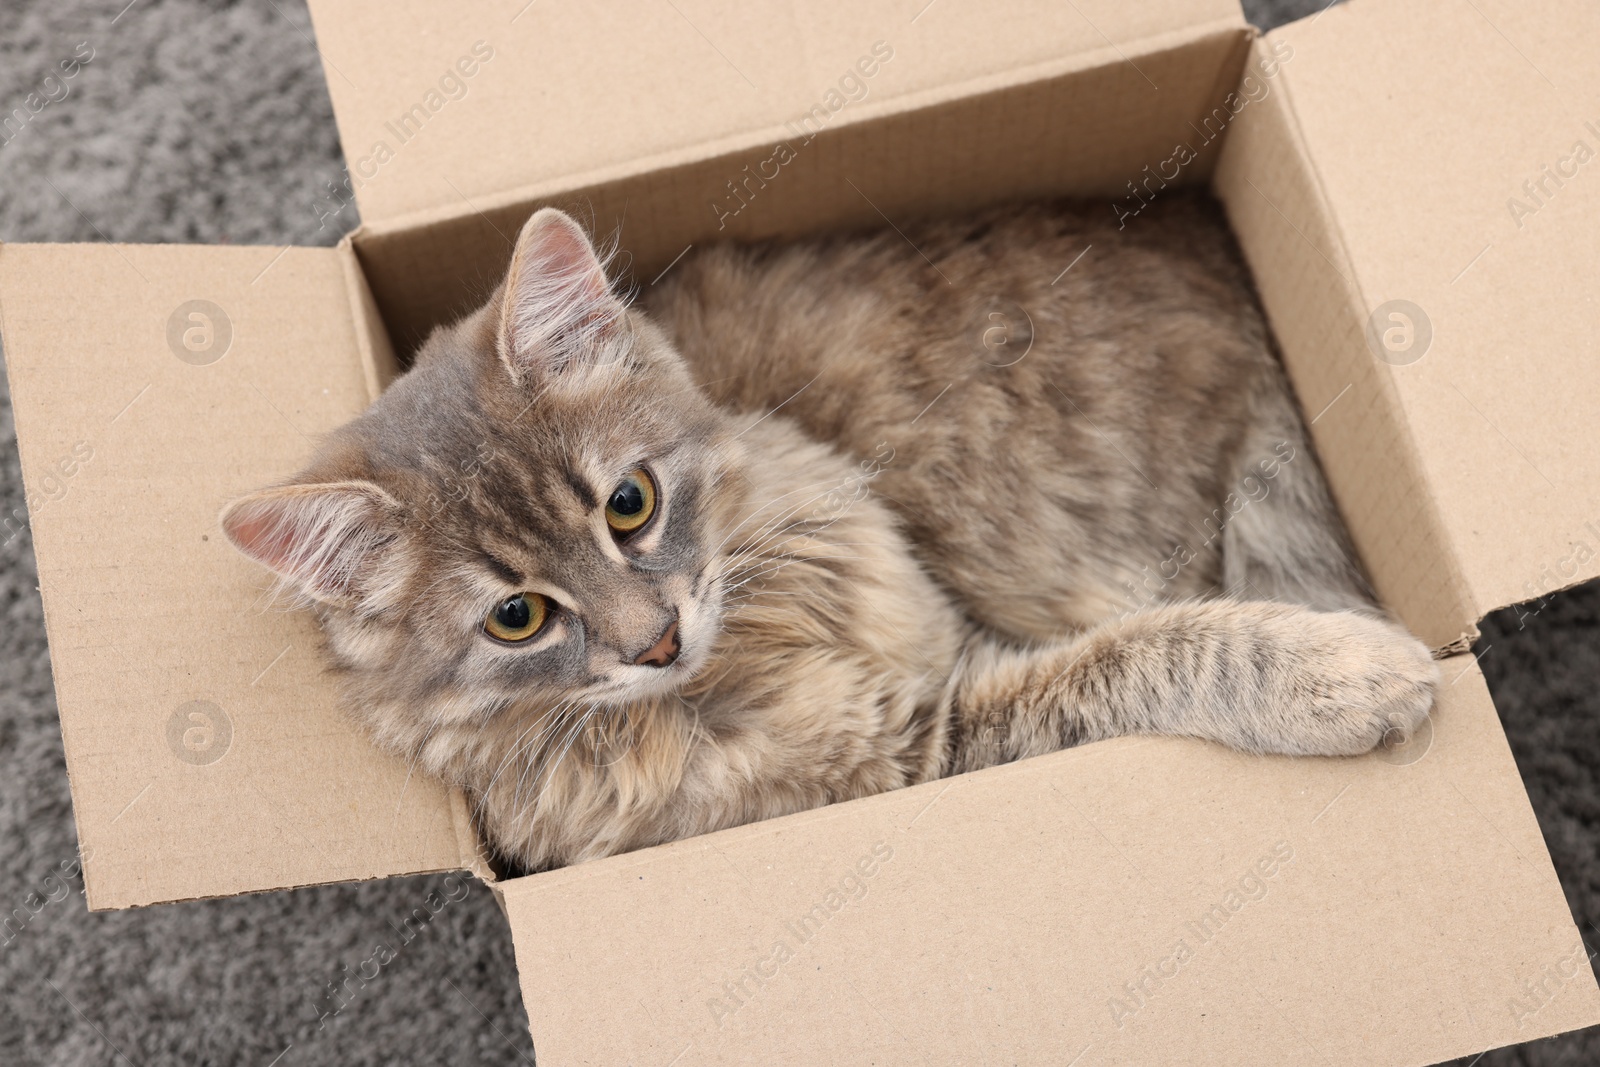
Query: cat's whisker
x,y
416,757
752,594
696,385
759,597
775,409
820,495
530,764
779,519
740,571
767,568
752,543
539,722
772,544
572,736
763,538
609,742
546,725
782,562
764,567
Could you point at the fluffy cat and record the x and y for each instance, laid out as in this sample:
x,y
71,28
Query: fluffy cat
x,y
819,520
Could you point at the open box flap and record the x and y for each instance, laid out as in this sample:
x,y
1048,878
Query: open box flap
x,y
1132,902
205,752
1458,188
442,105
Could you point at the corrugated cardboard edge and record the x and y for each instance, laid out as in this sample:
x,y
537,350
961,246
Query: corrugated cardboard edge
x,y
1425,583
765,136
6,342
378,362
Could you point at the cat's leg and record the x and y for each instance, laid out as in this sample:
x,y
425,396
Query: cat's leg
x,y
1253,675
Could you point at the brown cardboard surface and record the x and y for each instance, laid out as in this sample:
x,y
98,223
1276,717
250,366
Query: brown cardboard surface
x,y
206,755
1420,153
1411,923
1093,119
559,89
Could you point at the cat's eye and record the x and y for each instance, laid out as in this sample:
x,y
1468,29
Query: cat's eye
x,y
631,503
517,618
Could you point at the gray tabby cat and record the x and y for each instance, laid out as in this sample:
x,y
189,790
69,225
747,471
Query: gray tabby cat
x,y
831,518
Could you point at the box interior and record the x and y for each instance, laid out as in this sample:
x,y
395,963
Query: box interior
x,y
1089,125
915,159
549,95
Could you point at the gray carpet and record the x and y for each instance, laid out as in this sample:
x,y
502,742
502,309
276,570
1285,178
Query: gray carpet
x,y
209,122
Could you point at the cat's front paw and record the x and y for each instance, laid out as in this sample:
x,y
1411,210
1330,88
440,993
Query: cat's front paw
x,y
1365,682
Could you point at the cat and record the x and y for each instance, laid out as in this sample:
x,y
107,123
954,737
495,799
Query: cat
x,y
816,520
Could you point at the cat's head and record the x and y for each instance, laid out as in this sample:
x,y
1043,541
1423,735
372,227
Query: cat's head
x,y
531,513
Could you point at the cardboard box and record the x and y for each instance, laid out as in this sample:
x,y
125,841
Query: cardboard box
x,y
1136,901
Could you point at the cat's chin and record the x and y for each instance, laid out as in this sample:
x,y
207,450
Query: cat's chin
x,y
645,683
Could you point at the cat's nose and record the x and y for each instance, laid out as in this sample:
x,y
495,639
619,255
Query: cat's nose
x,y
664,651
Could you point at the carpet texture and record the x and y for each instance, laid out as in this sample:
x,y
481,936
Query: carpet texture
x,y
210,122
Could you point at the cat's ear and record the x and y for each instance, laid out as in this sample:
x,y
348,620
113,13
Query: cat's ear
x,y
323,539
558,309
